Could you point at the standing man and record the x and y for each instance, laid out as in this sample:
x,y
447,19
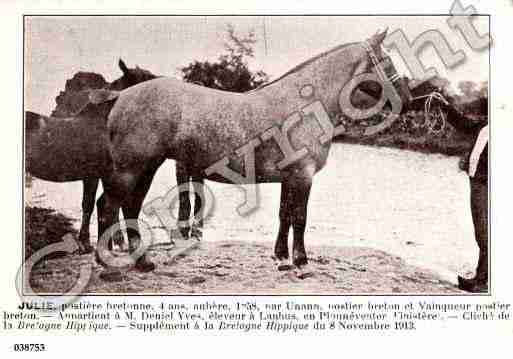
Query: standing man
x,y
478,176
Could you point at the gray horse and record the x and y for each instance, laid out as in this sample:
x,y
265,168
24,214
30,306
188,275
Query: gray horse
x,y
218,133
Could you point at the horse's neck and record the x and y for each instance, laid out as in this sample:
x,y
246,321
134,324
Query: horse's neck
x,y
325,76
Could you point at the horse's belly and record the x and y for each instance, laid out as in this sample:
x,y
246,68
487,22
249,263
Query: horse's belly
x,y
62,160
64,168
263,163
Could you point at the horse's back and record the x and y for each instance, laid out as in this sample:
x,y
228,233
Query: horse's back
x,y
169,113
198,125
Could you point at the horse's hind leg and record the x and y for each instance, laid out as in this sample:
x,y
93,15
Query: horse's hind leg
x,y
108,214
118,238
116,189
90,185
184,209
199,194
281,247
131,209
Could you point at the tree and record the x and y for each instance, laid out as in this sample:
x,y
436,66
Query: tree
x,y
483,91
231,71
468,88
76,95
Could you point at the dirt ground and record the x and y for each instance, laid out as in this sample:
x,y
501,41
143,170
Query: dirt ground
x,y
380,221
237,267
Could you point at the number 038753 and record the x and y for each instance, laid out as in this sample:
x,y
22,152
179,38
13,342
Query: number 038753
x,y
29,347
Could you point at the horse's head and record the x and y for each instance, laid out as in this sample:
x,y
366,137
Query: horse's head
x,y
130,77
376,60
33,121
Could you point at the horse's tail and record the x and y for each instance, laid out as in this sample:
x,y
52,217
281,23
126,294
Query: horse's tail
x,y
100,103
33,121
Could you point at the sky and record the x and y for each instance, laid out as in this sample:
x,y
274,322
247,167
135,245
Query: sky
x,y
58,47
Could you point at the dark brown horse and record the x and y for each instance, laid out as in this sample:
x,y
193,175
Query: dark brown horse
x,y
73,147
210,129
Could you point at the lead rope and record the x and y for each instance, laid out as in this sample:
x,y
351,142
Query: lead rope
x,y
429,98
427,107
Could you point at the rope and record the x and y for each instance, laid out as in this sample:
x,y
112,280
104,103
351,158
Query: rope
x,y
427,107
394,77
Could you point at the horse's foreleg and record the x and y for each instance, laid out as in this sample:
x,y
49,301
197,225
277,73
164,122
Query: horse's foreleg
x,y
199,195
184,209
281,248
301,185
90,185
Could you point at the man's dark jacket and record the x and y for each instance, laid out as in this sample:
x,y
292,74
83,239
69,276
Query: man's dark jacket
x,y
472,128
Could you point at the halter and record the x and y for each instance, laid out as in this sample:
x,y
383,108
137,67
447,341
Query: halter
x,y
378,64
394,77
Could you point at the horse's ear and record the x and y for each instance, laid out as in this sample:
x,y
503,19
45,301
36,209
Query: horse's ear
x,y
100,96
123,66
378,38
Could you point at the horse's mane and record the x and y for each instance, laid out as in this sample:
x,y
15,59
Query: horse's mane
x,y
75,96
304,64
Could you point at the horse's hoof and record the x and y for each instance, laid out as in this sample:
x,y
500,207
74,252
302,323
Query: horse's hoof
x,y
98,259
302,272
118,239
111,275
84,243
143,264
122,247
472,285
300,261
86,249
284,265
184,233
196,234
